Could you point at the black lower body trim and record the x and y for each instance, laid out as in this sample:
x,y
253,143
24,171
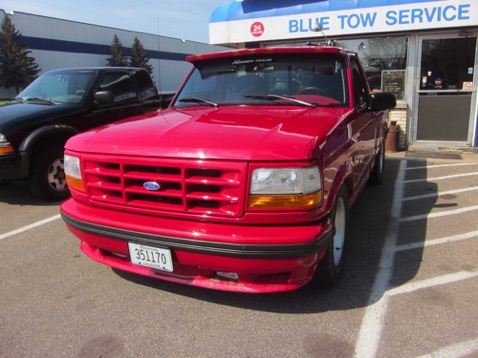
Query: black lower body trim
x,y
251,251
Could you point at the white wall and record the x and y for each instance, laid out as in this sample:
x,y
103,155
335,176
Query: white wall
x,y
74,35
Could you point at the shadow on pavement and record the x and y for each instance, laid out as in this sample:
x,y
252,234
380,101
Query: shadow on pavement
x,y
18,193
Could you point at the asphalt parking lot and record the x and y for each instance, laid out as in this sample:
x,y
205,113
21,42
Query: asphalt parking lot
x,y
410,289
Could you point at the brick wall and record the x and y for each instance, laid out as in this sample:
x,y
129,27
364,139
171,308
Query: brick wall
x,y
399,115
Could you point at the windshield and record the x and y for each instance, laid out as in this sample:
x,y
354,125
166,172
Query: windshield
x,y
56,87
315,79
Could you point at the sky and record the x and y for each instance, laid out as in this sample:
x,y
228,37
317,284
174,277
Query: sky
x,y
184,19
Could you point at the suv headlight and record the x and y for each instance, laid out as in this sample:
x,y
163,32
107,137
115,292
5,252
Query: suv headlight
x,y
73,172
5,145
285,188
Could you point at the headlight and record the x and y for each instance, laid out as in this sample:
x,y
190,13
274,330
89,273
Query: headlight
x,y
73,172
285,188
5,146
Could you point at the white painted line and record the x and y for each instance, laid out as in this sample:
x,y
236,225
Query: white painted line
x,y
432,282
432,195
456,350
439,214
371,329
443,240
440,166
29,227
441,178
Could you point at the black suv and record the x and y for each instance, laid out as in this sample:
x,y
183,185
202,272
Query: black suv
x,y
35,125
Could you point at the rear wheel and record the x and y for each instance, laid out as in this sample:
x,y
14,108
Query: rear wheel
x,y
331,267
47,179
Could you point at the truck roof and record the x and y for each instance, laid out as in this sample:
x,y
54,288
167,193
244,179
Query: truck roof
x,y
268,51
96,68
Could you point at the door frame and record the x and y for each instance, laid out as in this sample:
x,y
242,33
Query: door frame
x,y
416,92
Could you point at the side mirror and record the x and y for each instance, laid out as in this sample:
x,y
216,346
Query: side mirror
x,y
104,97
382,101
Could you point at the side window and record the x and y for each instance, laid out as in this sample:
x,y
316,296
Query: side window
x,y
121,85
146,88
360,87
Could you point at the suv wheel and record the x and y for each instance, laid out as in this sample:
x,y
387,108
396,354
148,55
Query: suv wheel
x,y
47,179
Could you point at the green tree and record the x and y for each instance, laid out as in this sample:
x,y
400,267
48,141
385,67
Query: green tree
x,y
138,57
17,67
117,58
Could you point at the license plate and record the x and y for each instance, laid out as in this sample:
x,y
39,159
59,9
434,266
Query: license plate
x,y
153,257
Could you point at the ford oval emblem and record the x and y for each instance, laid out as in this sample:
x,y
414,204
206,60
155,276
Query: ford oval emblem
x,y
151,185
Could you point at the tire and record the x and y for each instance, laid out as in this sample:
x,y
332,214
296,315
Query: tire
x,y
47,179
330,269
376,176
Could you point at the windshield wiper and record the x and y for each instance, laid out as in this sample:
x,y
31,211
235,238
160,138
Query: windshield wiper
x,y
274,97
18,99
40,100
198,100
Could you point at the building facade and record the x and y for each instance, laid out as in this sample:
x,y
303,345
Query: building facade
x,y
424,51
57,43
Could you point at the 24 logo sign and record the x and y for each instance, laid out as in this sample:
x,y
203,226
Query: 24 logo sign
x,y
257,29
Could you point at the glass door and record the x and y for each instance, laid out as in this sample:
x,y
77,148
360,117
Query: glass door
x,y
446,90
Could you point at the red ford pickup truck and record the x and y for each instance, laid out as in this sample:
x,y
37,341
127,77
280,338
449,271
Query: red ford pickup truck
x,y
244,183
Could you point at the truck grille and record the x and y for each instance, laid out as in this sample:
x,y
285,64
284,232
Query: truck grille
x,y
188,186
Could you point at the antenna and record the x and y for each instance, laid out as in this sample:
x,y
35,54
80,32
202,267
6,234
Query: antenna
x,y
318,28
159,58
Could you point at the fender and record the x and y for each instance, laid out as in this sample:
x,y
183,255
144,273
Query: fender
x,y
29,142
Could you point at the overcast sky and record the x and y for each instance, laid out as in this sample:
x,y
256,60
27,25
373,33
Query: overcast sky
x,y
185,19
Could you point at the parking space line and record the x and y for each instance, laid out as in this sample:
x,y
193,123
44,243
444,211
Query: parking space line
x,y
439,214
369,335
440,166
440,178
433,195
29,227
461,349
432,282
371,328
443,240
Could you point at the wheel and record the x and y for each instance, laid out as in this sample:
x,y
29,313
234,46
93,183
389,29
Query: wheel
x,y
331,267
47,179
376,176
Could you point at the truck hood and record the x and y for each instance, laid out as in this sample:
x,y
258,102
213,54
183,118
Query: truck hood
x,y
28,111
229,132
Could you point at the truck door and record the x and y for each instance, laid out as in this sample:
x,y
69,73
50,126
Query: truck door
x,y
126,102
364,126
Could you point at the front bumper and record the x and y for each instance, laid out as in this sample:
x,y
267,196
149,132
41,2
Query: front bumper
x,y
264,258
13,166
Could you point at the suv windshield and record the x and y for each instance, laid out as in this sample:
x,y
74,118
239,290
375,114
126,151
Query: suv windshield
x,y
58,87
312,79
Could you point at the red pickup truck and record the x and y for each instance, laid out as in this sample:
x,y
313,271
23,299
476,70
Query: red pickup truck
x,y
244,183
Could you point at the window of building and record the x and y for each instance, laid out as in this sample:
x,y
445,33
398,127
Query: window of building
x,y
384,59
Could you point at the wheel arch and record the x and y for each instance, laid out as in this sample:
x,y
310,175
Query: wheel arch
x,y
58,133
46,136
344,178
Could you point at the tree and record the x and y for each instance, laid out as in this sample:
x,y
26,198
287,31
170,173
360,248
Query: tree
x,y
117,58
138,57
17,67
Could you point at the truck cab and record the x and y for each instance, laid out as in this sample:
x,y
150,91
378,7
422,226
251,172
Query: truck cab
x,y
244,183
